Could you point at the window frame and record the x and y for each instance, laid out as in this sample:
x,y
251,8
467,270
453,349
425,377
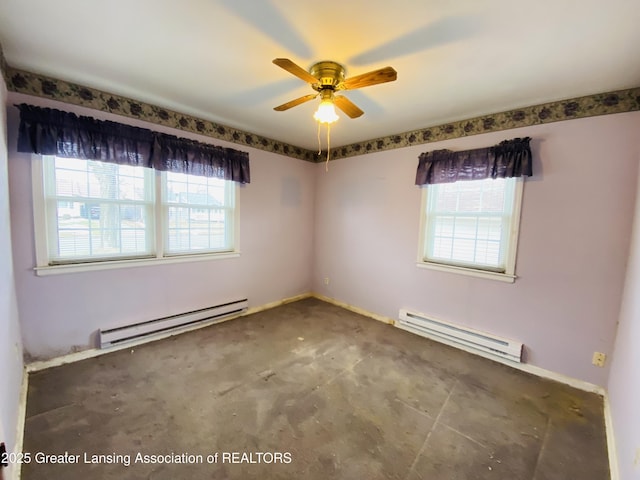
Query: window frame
x,y
508,275
44,266
51,211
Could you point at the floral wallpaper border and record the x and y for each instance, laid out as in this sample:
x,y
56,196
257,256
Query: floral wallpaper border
x,y
21,81
599,104
592,105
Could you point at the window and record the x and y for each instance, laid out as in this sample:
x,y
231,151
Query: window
x,y
199,213
472,226
88,211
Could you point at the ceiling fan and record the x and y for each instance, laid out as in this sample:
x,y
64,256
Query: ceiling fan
x,y
326,78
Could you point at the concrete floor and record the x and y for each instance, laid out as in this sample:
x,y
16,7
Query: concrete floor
x,y
345,396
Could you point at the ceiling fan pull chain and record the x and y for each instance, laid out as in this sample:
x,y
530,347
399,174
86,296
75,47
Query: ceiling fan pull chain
x,y
326,168
319,144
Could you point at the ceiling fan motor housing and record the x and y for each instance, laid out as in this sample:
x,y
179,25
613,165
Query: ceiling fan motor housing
x,y
329,75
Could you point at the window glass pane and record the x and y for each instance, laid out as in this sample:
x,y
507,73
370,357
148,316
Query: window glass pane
x,y
468,223
493,197
447,198
98,210
200,214
469,197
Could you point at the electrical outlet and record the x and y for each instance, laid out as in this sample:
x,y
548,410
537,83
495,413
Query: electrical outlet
x,y
326,280
636,461
598,359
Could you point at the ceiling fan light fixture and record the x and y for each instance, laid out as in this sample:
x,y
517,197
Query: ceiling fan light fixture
x,y
326,78
326,112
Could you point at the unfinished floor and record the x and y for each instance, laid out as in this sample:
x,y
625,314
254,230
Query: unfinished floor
x,y
347,397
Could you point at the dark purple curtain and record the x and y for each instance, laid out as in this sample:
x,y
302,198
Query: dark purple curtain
x,y
196,158
511,158
48,131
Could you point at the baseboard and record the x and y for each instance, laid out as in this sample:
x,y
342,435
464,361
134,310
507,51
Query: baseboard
x,y
611,440
559,377
525,367
269,306
96,352
15,472
361,311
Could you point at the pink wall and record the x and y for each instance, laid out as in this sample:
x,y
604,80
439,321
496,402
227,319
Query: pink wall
x,y
574,238
61,313
10,341
624,378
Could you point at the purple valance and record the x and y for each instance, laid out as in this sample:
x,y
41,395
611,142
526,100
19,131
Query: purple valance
x,y
48,131
511,158
196,158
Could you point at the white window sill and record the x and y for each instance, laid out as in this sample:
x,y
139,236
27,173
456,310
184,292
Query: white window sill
x,y
500,277
113,264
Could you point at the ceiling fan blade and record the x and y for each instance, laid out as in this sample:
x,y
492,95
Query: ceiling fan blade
x,y
296,70
347,106
383,75
296,102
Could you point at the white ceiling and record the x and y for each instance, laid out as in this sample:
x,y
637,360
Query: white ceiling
x,y
212,58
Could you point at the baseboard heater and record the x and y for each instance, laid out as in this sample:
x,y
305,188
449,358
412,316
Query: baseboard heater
x,y
457,335
137,331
